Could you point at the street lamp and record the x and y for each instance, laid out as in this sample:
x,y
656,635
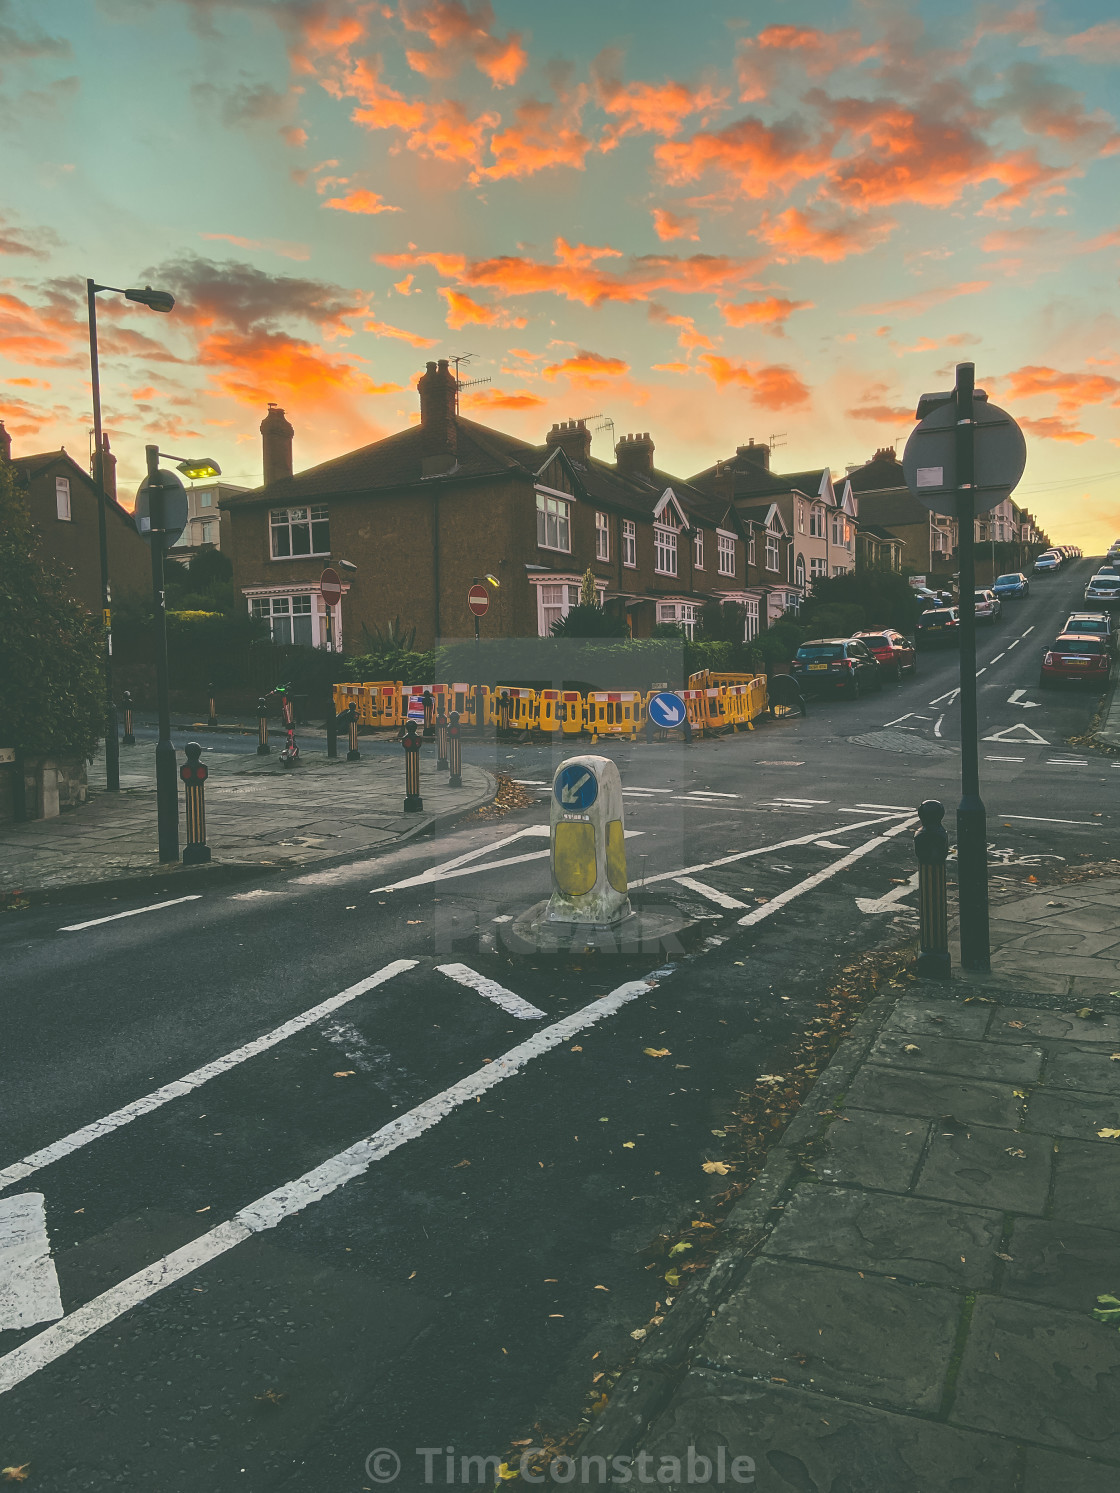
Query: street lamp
x,y
155,300
161,513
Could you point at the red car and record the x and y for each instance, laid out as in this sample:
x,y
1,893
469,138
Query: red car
x,y
894,653
1076,658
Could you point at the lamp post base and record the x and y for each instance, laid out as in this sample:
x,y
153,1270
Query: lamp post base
x,y
413,804
196,855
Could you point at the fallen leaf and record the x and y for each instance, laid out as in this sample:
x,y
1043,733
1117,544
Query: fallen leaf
x,y
529,1440
412,1276
1033,878
602,1288
570,1049
911,1047
720,1133
720,1168
458,1164
627,1145
657,1052
1114,1057
1084,1013
505,1471
682,1065
204,1210
638,1334
672,1278
15,1474
1008,1258
344,1073
1109,1134
1017,1024
679,1249
412,922
1019,1093
273,1396
1022,1154
604,1119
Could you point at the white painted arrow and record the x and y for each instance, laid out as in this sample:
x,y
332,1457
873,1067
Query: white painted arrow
x,y
887,902
1028,735
28,1280
1017,699
946,699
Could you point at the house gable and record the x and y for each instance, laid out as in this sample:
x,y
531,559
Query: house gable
x,y
668,504
558,474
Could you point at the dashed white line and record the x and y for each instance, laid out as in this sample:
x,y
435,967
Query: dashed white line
x,y
1015,644
132,913
1029,629
937,725
713,894
742,855
984,670
901,808
1039,819
710,793
507,999
1004,759
998,657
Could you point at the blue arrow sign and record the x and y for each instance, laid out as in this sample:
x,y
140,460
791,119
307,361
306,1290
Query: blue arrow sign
x,y
575,786
666,710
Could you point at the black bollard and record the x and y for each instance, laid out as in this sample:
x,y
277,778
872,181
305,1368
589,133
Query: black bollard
x,y
503,715
429,714
129,738
931,846
353,754
454,752
263,748
194,775
413,803
213,721
441,738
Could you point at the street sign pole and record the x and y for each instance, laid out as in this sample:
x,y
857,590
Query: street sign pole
x,y
972,826
167,788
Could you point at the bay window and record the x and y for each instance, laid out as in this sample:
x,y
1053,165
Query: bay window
x,y
682,614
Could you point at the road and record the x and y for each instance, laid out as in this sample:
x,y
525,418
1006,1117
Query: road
x,y
327,1169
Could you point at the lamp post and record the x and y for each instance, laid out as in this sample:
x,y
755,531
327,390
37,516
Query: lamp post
x,y
155,300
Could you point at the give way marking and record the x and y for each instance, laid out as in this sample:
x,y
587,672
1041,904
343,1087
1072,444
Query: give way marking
x,y
464,975
1027,735
1016,698
887,902
28,1280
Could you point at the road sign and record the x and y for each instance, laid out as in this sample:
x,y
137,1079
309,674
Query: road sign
x,y
666,710
929,462
478,599
162,512
576,787
330,586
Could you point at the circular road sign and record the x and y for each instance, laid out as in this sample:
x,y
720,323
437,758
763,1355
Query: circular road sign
x,y
330,586
576,787
162,510
666,710
478,599
929,461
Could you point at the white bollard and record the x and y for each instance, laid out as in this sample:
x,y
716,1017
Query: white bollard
x,y
588,844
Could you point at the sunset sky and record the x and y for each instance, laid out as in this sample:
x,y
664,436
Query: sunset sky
x,y
712,222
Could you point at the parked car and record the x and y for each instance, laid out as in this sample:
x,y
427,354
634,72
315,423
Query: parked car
x,y
836,664
933,598
894,653
938,628
1099,624
1110,567
1104,591
1076,658
1013,584
988,606
1046,562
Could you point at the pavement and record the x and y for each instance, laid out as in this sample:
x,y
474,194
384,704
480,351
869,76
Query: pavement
x,y
1107,733
259,816
908,1298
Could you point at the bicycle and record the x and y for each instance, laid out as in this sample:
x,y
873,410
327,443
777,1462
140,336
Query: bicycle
x,y
784,697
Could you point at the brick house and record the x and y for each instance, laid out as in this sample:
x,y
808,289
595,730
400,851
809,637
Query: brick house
x,y
204,520
424,513
929,540
62,501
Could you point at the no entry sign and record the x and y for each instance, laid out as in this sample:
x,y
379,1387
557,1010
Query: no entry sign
x,y
331,586
478,599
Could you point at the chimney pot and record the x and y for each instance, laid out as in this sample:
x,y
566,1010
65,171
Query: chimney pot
x,y
634,455
757,452
108,469
437,389
276,445
573,438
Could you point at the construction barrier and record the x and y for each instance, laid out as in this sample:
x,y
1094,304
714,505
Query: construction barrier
x,y
522,704
714,710
386,702
346,695
757,694
615,713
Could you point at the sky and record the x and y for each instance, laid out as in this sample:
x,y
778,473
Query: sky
x,y
717,223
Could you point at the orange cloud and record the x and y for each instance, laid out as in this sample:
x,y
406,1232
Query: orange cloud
x,y
882,414
671,367
1100,43
645,108
759,59
274,246
591,370
668,225
757,159
924,299
404,287
458,33
688,336
1073,390
361,201
542,135
773,386
1051,428
383,329
462,311
772,312
253,368
797,234
379,107
27,383
499,399
48,336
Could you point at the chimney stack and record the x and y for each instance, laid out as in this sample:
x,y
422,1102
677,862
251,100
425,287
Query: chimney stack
x,y
885,453
5,443
437,389
634,455
276,445
759,454
108,469
573,438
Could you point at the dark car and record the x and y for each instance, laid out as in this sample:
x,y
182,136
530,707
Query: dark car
x,y
1076,658
939,628
893,653
1015,584
836,664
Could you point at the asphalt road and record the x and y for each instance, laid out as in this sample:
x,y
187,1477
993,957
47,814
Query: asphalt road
x,y
364,1227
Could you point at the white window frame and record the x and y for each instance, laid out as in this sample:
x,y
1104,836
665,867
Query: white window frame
x,y
602,537
698,549
751,626
793,601
206,499
555,606
305,515
278,610
685,614
301,590
751,549
773,551
629,544
664,550
799,577
800,516
818,567
62,507
726,544
205,530
554,513
837,529
816,521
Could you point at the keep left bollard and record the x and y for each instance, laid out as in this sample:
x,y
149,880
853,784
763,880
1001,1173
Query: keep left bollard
x,y
441,738
213,721
129,737
454,752
194,775
353,754
931,846
413,803
263,748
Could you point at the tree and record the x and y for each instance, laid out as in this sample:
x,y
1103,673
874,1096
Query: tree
x,y
206,585
859,600
588,591
51,682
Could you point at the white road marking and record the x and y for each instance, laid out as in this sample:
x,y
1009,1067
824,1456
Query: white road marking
x,y
1065,762
909,716
984,670
132,913
28,1280
801,802
292,1197
647,790
1016,698
721,899
1015,644
742,855
1038,819
1029,738
158,1097
443,873
775,904
464,975
1004,759
946,699
898,808
829,845
1029,629
531,782
887,902
997,658
710,793
937,725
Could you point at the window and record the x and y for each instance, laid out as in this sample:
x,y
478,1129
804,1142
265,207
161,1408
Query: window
x,y
848,533
602,537
799,571
698,549
62,497
800,516
678,614
793,601
664,551
837,529
205,499
750,619
818,566
771,552
839,570
554,530
300,531
750,549
554,603
288,617
208,533
816,521
727,554
629,542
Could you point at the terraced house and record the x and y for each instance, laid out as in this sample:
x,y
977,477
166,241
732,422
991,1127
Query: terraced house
x,y
424,513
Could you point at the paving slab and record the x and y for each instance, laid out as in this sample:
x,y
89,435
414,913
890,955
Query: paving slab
x,y
940,1018
1024,1024
938,1243
1087,1184
986,1060
1051,1472
1068,1112
1065,1265
872,1150
1047,1376
1089,1069
837,1332
935,1094
982,1165
1064,941
804,1443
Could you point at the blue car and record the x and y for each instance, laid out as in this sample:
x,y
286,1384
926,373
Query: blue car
x,y
1015,584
